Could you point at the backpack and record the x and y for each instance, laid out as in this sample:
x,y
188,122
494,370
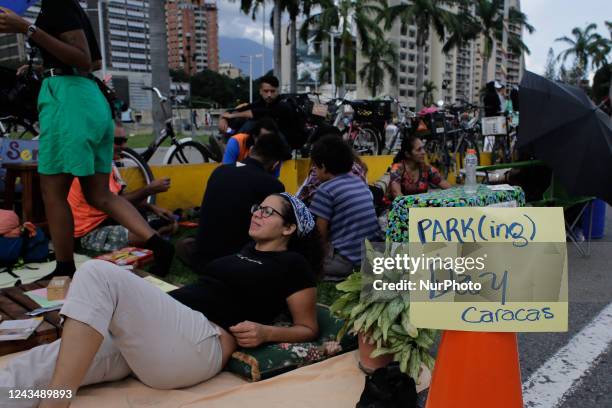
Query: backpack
x,y
30,249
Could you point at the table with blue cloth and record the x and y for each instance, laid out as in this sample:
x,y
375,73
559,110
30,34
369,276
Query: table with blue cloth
x,y
397,229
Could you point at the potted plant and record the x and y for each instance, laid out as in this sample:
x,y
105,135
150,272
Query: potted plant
x,y
381,320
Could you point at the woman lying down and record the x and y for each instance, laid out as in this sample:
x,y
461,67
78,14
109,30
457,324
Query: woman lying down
x,y
118,324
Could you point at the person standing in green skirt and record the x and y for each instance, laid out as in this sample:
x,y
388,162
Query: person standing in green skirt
x,y
76,129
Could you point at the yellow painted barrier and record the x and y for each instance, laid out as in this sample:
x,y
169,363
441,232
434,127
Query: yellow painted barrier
x,y
189,181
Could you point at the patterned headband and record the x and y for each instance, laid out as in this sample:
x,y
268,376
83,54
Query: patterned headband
x,y
303,216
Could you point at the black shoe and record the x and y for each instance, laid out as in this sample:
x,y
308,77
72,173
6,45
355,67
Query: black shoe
x,y
388,387
163,253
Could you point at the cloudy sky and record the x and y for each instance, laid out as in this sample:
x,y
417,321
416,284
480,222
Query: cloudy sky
x,y
551,18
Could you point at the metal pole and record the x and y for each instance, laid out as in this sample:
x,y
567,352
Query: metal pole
x,y
250,79
102,42
333,67
263,40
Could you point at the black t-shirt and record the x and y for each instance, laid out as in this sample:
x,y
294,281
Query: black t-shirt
x,y
251,285
225,213
59,16
283,114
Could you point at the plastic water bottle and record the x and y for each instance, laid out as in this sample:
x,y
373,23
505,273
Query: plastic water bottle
x,y
471,162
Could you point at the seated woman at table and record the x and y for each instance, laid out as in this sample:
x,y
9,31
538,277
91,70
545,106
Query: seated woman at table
x,y
119,324
409,172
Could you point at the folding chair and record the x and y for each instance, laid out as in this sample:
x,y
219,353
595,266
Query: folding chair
x,y
556,196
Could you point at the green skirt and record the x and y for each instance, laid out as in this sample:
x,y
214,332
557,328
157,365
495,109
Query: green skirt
x,y
76,127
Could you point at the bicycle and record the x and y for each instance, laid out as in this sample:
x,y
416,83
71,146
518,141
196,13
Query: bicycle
x,y
134,166
396,132
451,133
365,129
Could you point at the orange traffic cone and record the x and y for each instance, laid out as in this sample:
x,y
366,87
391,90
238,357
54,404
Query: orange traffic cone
x,y
476,370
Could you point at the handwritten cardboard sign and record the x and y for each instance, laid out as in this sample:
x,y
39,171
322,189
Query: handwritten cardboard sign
x,y
519,280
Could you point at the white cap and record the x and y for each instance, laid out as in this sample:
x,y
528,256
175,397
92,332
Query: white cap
x,y
498,85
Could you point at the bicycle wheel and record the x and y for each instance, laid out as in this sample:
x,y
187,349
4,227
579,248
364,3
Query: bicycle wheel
x,y
135,172
366,142
438,156
188,152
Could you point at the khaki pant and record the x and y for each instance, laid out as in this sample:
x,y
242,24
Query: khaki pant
x,y
146,333
336,267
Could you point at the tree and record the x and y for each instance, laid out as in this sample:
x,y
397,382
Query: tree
x,y
160,74
550,71
428,92
490,27
276,29
345,17
382,57
425,14
582,46
179,75
209,88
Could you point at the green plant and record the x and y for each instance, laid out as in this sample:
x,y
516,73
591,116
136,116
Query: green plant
x,y
383,317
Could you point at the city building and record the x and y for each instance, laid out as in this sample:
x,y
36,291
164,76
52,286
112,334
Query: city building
x,y
192,35
311,58
456,75
125,42
228,69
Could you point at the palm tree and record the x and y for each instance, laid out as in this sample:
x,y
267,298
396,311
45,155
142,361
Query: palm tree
x,y
293,8
276,29
425,14
160,73
252,7
489,20
582,46
428,92
382,57
346,17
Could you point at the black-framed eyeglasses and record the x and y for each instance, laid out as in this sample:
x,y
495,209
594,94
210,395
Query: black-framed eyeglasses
x,y
120,140
266,212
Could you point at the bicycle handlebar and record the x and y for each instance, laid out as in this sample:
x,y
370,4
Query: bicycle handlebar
x,y
153,89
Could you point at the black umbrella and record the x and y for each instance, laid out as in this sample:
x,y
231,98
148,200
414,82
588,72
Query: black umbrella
x,y
566,130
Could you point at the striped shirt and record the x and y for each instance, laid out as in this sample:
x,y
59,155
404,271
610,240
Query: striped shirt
x,y
346,202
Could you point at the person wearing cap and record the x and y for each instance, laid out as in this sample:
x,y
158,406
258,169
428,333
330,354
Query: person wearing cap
x,y
230,192
117,324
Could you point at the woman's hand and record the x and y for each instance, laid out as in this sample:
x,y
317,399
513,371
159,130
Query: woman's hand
x,y
249,334
12,23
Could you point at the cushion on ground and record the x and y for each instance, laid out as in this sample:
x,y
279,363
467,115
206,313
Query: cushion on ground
x,y
273,359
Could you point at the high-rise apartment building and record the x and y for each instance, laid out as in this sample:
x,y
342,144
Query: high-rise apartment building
x,y
192,35
457,75
126,30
